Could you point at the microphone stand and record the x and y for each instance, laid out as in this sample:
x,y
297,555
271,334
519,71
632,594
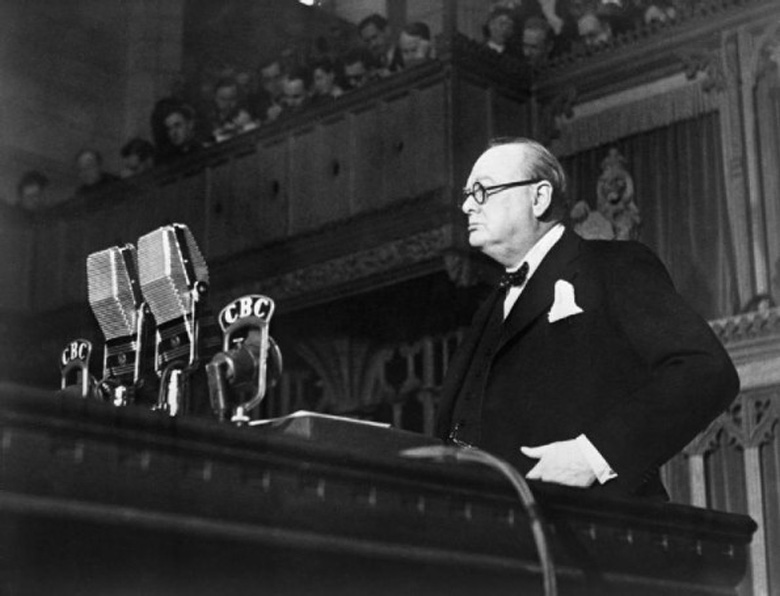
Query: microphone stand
x,y
244,322
174,378
535,519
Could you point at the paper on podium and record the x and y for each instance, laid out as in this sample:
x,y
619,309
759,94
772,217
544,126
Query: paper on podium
x,y
351,433
306,414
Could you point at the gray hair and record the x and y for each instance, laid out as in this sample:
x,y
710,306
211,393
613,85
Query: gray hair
x,y
544,165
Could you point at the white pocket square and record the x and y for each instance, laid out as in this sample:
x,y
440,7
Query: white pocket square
x,y
564,304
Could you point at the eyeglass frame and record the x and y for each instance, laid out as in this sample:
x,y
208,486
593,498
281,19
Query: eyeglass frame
x,y
496,188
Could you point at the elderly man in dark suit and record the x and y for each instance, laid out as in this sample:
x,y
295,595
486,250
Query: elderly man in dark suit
x,y
584,367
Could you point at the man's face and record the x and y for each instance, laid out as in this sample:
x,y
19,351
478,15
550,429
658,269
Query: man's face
x,y
534,45
410,48
593,31
272,79
356,74
504,227
179,129
375,39
31,196
501,28
89,169
294,93
323,81
226,99
133,164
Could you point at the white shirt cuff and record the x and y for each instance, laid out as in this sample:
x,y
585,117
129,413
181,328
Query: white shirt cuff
x,y
598,464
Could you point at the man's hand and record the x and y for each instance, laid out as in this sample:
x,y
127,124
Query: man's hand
x,y
561,462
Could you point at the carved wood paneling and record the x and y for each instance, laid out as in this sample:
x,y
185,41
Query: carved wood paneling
x,y
382,260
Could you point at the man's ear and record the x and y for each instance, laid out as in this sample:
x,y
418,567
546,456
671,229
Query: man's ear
x,y
542,199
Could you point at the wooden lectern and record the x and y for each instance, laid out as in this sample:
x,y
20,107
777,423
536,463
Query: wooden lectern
x,y
99,500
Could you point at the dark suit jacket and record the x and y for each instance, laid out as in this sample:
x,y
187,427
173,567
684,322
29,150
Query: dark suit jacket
x,y
638,372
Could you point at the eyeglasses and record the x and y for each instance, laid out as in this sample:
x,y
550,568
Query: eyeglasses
x,y
481,192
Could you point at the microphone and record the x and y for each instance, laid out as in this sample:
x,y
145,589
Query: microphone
x,y
174,280
237,376
74,369
116,301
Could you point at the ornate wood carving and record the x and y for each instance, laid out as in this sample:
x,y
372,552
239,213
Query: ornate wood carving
x,y
768,59
348,371
362,265
748,326
617,215
762,412
708,63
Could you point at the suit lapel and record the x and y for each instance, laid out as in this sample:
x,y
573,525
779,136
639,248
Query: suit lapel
x,y
538,295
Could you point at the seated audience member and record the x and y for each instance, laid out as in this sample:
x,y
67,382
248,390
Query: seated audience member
x,y
324,87
31,191
594,30
337,39
89,168
228,118
375,34
499,29
295,94
292,57
659,11
246,85
537,42
358,65
137,156
269,93
295,89
179,121
415,44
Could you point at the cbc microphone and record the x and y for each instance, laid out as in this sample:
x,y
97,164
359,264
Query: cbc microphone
x,y
116,301
237,376
174,280
74,369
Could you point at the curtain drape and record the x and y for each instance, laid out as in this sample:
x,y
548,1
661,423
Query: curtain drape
x,y
680,192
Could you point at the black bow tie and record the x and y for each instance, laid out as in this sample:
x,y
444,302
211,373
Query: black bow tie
x,y
516,278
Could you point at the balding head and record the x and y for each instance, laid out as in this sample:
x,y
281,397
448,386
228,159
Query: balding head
x,y
513,196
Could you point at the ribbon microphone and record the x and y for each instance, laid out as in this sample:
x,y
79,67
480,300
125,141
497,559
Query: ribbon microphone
x,y
174,279
116,301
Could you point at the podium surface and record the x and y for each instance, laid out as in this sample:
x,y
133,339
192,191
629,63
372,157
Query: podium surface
x,y
102,500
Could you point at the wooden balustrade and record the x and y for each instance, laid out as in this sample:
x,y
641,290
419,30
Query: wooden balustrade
x,y
301,176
